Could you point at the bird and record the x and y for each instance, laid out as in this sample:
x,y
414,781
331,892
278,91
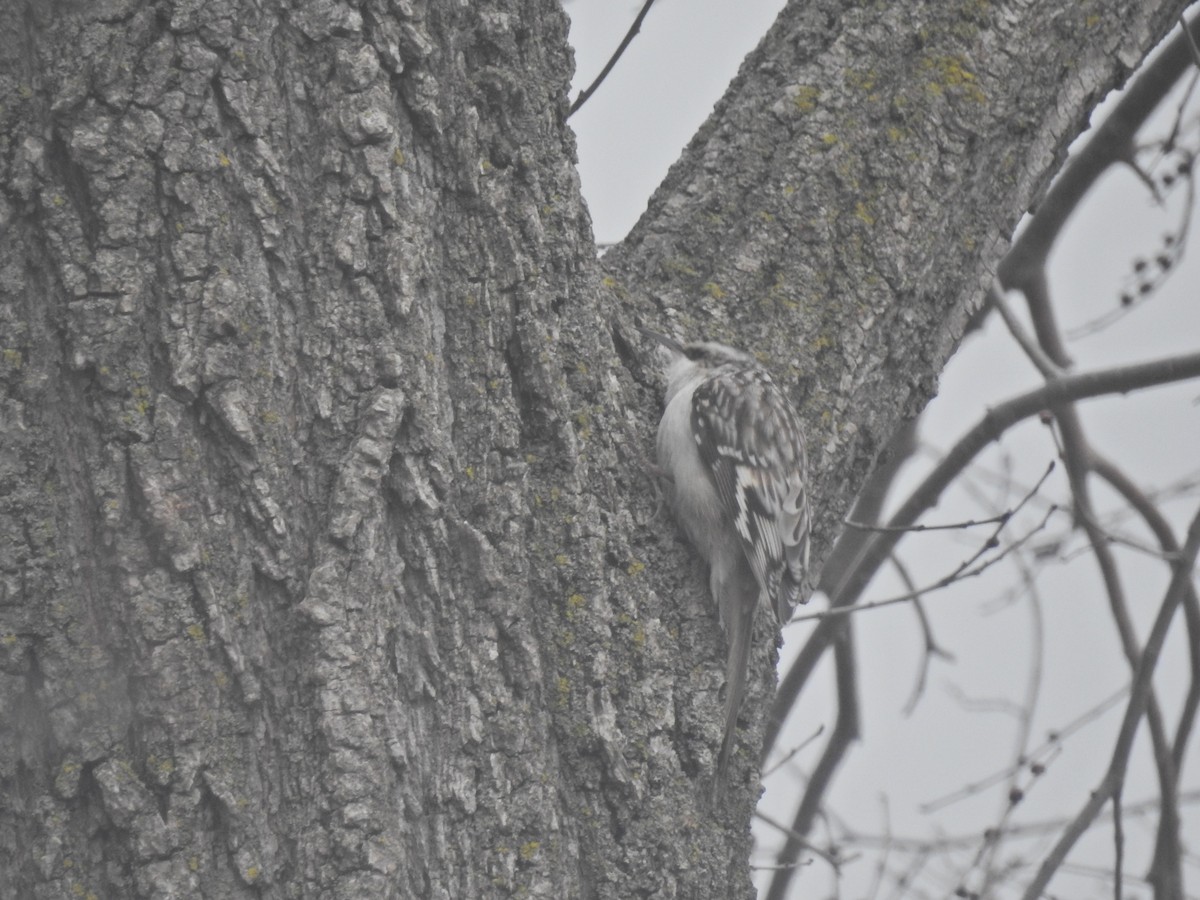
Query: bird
x,y
731,446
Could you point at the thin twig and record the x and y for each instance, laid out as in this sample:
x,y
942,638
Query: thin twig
x,y
1147,182
1191,40
998,519
945,843
1037,757
994,423
1077,455
1145,290
1114,538
1109,142
881,866
1118,843
801,841
1136,708
846,730
1172,138
1003,480
909,876
1166,848
963,572
612,61
981,704
932,648
1044,364
787,756
1033,691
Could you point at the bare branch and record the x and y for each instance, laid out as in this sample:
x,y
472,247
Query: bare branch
x,y
1036,665
845,732
1000,519
993,424
1118,842
587,92
1044,364
881,866
942,843
1039,756
1148,277
1112,537
1183,26
783,760
983,704
963,572
1110,142
1139,696
931,649
1077,454
1165,848
801,841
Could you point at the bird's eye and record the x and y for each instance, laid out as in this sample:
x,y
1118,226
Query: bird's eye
x,y
694,353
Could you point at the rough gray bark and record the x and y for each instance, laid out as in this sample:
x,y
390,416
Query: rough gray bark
x,y
327,566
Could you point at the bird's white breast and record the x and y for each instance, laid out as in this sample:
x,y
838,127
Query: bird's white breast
x,y
697,506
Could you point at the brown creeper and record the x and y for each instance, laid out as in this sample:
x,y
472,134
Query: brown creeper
x,y
732,447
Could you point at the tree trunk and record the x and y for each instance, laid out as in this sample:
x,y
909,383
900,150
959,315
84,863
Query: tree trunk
x,y
329,564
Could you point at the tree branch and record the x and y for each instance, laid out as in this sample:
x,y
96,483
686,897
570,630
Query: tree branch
x,y
587,92
1139,695
845,732
993,424
1166,850
962,572
1111,142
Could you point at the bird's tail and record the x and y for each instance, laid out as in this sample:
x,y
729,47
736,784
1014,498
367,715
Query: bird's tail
x,y
739,628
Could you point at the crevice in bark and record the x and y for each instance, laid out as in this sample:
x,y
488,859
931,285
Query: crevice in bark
x,y
227,116
75,183
38,746
533,406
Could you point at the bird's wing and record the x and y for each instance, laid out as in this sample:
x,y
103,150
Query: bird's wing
x,y
750,439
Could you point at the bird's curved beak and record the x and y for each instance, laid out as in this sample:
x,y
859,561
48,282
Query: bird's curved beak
x,y
661,339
